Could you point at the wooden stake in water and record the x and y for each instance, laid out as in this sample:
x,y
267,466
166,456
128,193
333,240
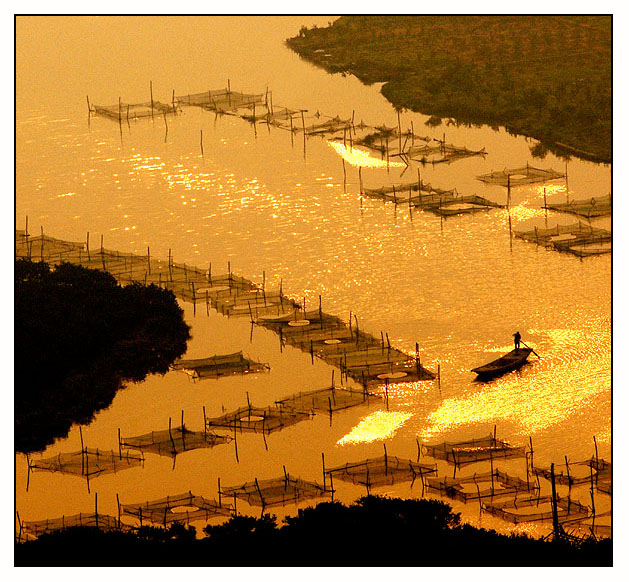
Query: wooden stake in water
x,y
202,143
554,501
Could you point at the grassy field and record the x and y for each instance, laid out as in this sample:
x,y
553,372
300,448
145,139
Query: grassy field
x,y
548,77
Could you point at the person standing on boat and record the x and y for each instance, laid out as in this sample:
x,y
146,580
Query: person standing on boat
x,y
516,339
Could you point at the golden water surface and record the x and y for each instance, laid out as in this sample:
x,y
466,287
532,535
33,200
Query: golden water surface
x,y
460,287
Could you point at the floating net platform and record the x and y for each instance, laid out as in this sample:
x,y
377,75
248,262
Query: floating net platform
x,y
359,355
219,365
443,153
536,509
34,529
469,488
381,471
174,441
327,400
223,100
392,142
577,473
279,491
520,176
588,208
87,463
258,420
426,197
598,526
128,111
380,138
577,238
473,451
182,509
254,303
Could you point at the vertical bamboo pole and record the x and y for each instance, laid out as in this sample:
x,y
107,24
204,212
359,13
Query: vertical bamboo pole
x,y
554,501
152,104
235,443
202,143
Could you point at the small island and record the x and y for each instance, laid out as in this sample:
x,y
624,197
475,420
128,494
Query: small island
x,y
546,77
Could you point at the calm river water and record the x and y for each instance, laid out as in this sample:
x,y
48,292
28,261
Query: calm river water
x,y
460,287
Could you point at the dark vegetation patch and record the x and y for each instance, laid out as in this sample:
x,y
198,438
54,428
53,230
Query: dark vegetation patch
x,y
547,76
78,337
373,531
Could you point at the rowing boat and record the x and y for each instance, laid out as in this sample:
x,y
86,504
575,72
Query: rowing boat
x,y
511,361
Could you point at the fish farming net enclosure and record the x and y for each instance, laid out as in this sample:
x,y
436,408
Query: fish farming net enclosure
x,y
279,491
589,471
87,463
577,238
182,509
469,488
327,400
426,197
128,111
223,100
360,356
219,365
381,471
588,208
520,176
258,420
473,451
173,441
530,509
103,522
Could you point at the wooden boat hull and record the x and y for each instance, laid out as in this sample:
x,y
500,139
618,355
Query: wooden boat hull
x,y
511,361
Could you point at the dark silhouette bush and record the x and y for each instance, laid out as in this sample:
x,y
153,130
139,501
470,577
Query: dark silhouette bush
x,y
373,531
78,337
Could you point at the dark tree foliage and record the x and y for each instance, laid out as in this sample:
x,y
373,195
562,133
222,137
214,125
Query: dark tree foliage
x,y
373,531
78,337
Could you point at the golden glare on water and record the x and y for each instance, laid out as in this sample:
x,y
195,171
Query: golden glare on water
x,y
549,190
524,212
572,382
362,158
377,426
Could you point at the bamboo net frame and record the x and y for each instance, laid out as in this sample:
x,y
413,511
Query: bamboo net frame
x,y
510,177
279,491
87,463
174,441
327,400
536,509
381,471
163,511
577,238
219,365
258,420
128,111
103,522
577,472
588,208
468,488
473,450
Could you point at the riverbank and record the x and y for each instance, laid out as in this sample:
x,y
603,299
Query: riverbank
x,y
547,77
